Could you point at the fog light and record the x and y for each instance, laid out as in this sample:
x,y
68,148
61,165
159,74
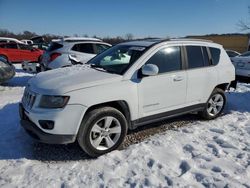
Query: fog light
x,y
46,124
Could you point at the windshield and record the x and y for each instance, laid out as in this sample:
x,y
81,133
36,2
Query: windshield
x,y
118,58
245,54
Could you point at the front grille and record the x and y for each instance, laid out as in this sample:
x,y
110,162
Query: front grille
x,y
28,99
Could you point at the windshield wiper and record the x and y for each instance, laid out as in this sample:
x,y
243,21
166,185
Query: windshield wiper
x,y
96,66
101,67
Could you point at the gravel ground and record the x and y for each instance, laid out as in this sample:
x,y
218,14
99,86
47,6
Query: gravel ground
x,y
49,153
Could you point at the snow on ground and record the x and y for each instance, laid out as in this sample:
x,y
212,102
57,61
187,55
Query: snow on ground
x,y
202,154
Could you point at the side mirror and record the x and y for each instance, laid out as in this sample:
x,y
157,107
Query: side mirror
x,y
150,70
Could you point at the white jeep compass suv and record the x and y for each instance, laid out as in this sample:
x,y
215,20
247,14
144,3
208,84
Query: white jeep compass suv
x,y
126,86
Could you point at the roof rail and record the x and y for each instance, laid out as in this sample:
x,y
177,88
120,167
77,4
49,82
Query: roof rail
x,y
75,39
190,39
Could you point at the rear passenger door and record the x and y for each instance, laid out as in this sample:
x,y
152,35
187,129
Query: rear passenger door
x,y
201,74
83,51
13,52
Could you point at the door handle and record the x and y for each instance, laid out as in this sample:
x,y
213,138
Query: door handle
x,y
178,78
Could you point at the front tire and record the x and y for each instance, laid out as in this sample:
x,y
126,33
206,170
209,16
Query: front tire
x,y
214,105
102,130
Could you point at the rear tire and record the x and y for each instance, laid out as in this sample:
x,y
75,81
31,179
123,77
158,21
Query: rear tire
x,y
215,105
102,130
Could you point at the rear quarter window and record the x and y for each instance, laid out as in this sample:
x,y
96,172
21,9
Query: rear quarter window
x,y
215,54
54,46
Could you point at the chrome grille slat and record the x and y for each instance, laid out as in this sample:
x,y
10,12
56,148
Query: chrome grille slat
x,y
28,99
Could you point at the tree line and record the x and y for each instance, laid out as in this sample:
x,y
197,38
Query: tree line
x,y
48,37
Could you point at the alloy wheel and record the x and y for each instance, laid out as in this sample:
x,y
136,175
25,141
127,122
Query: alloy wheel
x,y
105,133
215,104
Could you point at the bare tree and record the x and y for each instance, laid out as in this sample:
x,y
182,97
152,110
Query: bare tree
x,y
129,36
244,25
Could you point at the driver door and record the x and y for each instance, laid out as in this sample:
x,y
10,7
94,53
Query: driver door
x,y
167,90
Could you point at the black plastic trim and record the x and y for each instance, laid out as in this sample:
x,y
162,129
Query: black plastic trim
x,y
244,79
166,115
39,135
44,137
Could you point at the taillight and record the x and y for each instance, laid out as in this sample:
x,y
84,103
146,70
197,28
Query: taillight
x,y
53,56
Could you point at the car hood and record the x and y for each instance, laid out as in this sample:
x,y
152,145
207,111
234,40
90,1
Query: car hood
x,y
63,80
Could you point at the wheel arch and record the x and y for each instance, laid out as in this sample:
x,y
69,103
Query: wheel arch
x,y
120,105
223,86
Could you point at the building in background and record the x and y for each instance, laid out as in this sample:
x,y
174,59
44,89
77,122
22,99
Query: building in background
x,y
236,42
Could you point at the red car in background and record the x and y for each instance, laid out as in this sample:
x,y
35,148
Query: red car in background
x,y
18,52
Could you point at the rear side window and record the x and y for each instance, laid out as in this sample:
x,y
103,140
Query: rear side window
x,y
215,54
54,46
195,57
24,47
11,45
167,59
84,48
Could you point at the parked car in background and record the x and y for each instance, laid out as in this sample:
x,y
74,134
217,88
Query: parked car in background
x,y
242,66
42,46
40,43
7,70
232,53
19,52
82,49
128,85
7,40
37,39
29,42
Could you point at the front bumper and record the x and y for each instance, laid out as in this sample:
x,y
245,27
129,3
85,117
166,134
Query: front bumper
x,y
58,135
44,137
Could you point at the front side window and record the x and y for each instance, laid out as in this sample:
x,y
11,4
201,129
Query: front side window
x,y
101,48
118,58
195,57
215,54
83,48
167,59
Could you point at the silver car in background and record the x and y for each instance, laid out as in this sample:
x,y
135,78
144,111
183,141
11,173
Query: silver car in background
x,y
242,66
61,52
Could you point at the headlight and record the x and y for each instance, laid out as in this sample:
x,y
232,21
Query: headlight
x,y
48,101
